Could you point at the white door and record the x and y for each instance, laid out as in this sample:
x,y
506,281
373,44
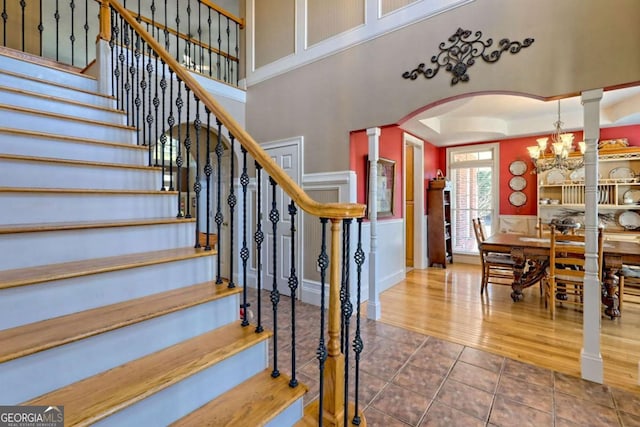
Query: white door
x,y
286,156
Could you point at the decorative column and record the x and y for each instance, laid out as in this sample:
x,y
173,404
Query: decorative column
x,y
373,304
590,358
103,50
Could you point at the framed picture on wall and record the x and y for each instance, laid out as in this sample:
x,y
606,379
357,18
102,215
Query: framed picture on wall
x,y
385,172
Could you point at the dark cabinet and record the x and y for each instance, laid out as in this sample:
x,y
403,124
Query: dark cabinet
x,y
439,223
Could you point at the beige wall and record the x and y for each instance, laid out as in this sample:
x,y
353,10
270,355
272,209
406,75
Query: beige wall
x,y
387,6
578,46
328,18
274,30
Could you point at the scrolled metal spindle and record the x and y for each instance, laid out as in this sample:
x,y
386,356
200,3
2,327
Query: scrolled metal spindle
x,y
293,288
187,153
207,172
163,135
199,31
259,239
219,47
187,47
274,217
112,44
244,252
358,345
322,352
86,31
197,186
5,17
23,5
171,121
179,159
227,69
237,53
219,218
125,71
135,72
231,201
209,32
72,37
149,119
177,9
40,28
347,309
56,16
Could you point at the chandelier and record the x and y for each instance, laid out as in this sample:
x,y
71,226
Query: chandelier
x,y
560,148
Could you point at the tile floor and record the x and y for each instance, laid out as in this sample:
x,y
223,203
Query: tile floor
x,y
410,379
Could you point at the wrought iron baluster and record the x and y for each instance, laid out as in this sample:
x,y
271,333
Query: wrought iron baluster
x,y
321,352
187,153
112,44
207,172
125,70
201,56
244,252
72,37
23,5
178,30
163,135
209,23
259,238
219,46
86,32
4,21
179,160
274,217
134,70
227,76
187,48
144,85
219,217
166,27
293,288
171,121
121,66
237,55
231,201
197,187
40,28
358,345
56,15
347,310
149,119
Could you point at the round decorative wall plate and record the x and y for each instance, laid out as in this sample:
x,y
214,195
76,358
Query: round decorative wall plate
x,y
517,167
517,198
517,183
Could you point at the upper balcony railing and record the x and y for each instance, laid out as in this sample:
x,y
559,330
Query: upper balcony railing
x,y
200,35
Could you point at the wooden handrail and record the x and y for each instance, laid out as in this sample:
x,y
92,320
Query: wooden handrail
x,y
224,12
302,199
186,37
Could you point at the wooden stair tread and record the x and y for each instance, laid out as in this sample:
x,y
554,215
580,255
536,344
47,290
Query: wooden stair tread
x,y
70,162
65,117
34,337
66,270
94,398
75,139
60,100
252,403
82,191
83,225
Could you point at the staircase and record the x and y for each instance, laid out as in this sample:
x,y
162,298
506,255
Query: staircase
x,y
106,307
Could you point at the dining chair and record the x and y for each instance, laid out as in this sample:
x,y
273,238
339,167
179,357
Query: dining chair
x,y
629,285
565,281
496,268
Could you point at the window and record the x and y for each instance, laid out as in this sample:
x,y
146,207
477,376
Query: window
x,y
473,172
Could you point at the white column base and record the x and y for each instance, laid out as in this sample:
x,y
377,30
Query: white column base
x,y
592,367
373,313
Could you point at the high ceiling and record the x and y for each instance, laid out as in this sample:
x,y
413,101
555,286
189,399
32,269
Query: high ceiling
x,y
482,118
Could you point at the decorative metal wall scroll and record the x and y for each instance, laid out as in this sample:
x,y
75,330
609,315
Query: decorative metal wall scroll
x,y
460,55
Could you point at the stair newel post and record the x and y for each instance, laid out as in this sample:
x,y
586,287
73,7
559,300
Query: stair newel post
x,y
347,309
187,154
179,160
231,201
321,352
274,217
197,187
244,252
207,173
358,345
219,217
259,238
293,288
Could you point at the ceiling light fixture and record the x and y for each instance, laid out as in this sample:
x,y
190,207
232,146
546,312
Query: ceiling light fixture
x,y
558,156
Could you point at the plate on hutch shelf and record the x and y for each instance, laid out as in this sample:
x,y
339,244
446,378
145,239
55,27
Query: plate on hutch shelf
x,y
517,198
517,183
517,167
630,220
554,177
622,173
632,195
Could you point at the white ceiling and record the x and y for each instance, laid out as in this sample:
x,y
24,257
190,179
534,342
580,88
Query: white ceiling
x,y
482,118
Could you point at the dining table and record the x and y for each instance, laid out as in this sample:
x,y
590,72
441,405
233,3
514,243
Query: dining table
x,y
530,255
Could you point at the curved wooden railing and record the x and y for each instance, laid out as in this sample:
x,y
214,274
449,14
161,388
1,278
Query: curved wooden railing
x,y
332,261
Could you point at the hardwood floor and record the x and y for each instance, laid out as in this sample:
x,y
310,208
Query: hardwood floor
x,y
446,303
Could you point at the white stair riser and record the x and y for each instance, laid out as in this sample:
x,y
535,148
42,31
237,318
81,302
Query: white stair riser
x,y
29,208
21,173
27,304
31,249
29,121
49,74
11,143
31,376
189,394
290,416
55,106
60,92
